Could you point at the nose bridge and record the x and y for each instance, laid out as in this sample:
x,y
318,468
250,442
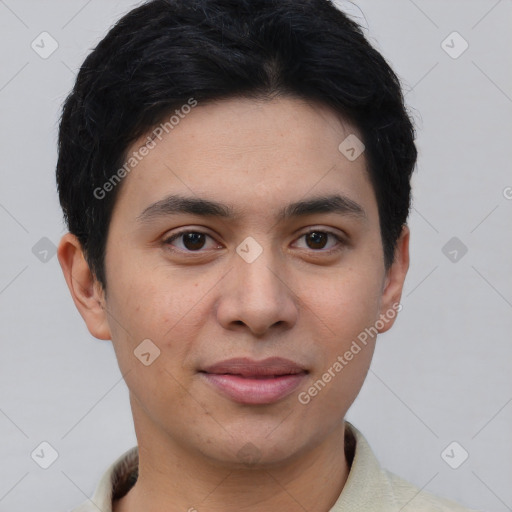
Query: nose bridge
x,y
255,269
256,295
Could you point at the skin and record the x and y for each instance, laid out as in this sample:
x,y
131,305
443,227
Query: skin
x,y
300,299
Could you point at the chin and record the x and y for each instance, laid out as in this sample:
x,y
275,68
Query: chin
x,y
254,447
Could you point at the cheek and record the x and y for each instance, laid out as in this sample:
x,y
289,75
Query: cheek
x,y
345,303
152,302
155,308
344,354
341,312
142,311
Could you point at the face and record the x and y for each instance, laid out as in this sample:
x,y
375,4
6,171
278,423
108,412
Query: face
x,y
220,253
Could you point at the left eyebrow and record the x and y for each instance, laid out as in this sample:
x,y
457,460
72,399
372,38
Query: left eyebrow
x,y
176,204
339,204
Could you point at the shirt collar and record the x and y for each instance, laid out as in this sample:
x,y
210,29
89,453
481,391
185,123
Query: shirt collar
x,y
365,485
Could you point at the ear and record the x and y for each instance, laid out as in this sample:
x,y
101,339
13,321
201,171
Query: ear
x,y
394,282
86,291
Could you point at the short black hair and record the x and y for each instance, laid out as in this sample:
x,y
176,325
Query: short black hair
x,y
164,53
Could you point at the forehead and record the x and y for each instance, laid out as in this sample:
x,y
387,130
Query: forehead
x,y
250,154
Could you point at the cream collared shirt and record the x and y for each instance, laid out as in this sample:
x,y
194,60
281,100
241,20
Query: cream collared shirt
x,y
369,488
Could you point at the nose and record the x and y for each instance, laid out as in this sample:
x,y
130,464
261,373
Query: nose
x,y
257,296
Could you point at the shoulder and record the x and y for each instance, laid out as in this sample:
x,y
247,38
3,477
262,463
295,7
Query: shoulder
x,y
370,487
115,482
409,498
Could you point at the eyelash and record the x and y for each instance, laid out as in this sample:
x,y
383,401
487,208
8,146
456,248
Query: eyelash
x,y
338,238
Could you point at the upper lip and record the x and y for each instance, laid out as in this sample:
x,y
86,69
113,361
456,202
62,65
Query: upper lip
x,y
248,367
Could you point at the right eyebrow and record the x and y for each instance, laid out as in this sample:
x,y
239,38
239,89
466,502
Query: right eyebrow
x,y
176,204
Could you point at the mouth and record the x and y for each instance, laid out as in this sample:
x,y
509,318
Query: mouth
x,y
247,381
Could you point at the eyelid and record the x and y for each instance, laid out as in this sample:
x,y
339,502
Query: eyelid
x,y
340,238
177,234
331,231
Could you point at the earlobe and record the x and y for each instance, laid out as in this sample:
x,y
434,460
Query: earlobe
x,y
86,291
394,282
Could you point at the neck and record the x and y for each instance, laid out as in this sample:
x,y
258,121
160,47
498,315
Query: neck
x,y
174,478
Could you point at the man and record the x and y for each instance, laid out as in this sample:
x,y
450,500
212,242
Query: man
x,y
236,181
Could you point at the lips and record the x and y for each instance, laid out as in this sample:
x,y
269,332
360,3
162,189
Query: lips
x,y
273,366
255,382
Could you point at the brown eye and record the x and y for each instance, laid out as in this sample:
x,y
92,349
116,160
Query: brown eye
x,y
191,241
318,240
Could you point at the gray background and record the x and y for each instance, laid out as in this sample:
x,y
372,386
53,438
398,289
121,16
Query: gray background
x,y
442,374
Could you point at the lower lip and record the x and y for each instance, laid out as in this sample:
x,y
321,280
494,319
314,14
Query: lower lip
x,y
246,390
